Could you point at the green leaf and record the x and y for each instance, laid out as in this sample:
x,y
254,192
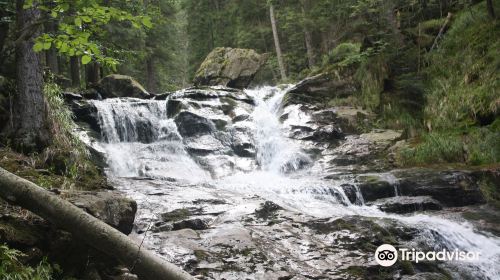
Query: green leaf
x,y
86,59
78,21
47,45
147,22
38,47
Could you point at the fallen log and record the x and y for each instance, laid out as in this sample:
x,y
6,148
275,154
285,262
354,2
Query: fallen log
x,y
83,226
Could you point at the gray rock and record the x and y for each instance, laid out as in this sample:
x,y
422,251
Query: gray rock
x,y
229,67
373,187
121,86
69,96
407,204
267,210
86,112
194,224
453,188
110,207
190,124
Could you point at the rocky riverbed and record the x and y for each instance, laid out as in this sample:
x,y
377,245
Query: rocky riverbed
x,y
238,184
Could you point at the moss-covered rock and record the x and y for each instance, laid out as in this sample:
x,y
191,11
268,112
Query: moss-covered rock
x,y
229,67
121,86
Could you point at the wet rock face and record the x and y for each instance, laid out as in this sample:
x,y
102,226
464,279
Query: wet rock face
x,y
268,209
229,67
194,224
214,123
121,86
190,124
112,208
86,112
449,188
407,204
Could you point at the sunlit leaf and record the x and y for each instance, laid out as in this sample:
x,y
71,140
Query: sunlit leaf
x,y
38,47
86,59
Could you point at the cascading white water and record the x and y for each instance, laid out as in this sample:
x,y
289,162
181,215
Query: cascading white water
x,y
140,140
275,152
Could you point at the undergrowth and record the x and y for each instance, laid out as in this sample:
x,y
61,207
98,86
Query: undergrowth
x,y
12,269
462,108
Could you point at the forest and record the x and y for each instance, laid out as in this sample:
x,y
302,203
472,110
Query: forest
x,y
248,139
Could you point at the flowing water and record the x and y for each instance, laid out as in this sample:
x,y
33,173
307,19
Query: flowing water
x,y
151,162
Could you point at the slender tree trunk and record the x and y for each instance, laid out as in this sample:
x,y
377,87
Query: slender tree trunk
x,y
151,76
51,54
491,9
277,43
307,35
4,32
30,127
74,63
91,230
92,73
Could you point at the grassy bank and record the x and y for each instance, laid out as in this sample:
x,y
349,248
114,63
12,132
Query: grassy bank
x,y
462,99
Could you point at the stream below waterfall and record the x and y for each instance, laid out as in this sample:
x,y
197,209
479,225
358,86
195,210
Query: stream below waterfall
x,y
228,187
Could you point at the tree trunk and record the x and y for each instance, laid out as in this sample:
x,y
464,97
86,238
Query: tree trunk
x,y
307,35
491,10
277,43
91,230
74,63
151,76
51,54
92,73
4,32
30,128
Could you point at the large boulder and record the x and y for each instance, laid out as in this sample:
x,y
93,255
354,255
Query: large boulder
x,y
110,207
121,86
229,67
191,124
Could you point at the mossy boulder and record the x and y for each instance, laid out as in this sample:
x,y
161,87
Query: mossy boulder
x,y
229,67
121,86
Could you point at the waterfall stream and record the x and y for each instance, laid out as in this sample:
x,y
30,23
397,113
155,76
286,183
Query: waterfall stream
x,y
163,169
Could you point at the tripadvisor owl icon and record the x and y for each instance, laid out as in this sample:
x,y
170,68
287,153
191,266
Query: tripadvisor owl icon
x,y
386,255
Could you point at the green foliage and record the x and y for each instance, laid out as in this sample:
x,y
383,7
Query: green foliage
x,y
67,156
61,116
79,24
476,146
463,72
12,269
434,148
344,53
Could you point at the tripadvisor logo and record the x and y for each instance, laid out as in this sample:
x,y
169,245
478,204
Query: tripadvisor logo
x,y
387,255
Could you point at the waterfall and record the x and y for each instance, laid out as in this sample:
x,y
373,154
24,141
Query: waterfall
x,y
142,141
275,152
